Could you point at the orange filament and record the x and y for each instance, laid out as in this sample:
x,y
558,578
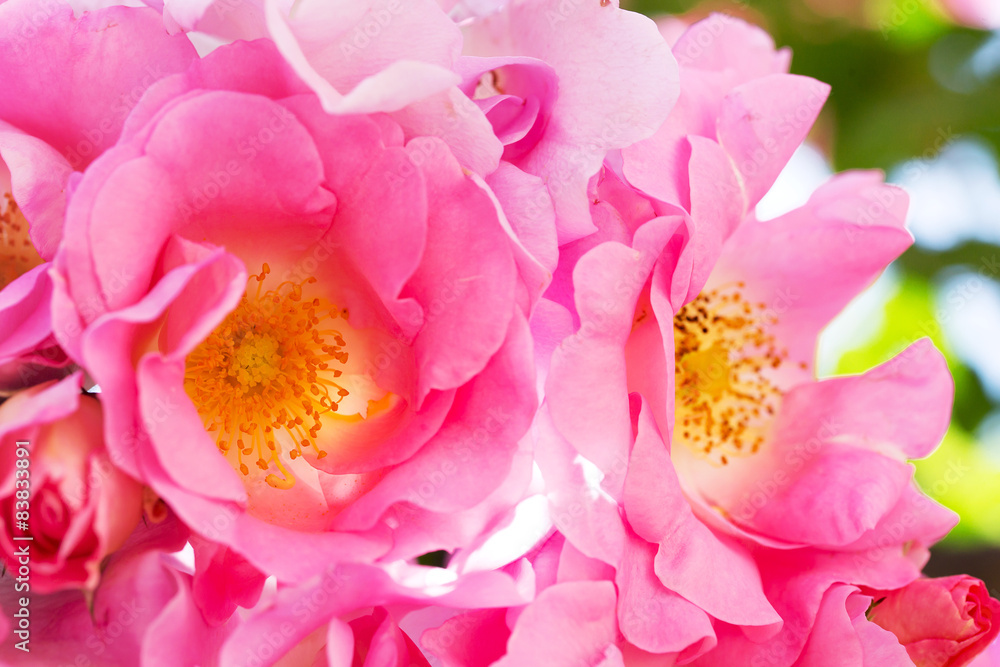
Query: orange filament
x,y
267,370
724,401
17,253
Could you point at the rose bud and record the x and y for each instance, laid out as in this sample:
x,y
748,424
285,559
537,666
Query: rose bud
x,y
943,622
59,487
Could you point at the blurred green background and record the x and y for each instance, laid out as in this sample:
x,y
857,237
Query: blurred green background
x,y
918,96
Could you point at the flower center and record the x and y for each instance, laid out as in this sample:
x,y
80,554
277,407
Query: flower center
x,y
17,253
266,370
724,399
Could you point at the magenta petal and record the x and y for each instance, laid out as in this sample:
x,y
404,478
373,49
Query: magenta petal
x,y
222,581
474,639
379,641
376,187
247,67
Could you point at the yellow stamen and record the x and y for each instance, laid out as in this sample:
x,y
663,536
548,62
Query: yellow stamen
x,y
724,400
267,370
17,253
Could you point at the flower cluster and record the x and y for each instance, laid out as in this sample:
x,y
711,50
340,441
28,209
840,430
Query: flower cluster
x,y
444,332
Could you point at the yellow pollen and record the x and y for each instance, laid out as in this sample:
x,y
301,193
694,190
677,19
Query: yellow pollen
x,y
267,369
724,401
17,253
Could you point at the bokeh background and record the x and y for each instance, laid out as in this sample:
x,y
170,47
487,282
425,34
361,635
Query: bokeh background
x,y
916,93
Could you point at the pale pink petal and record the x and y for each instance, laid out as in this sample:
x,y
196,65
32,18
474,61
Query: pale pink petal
x,y
457,121
335,46
617,82
589,518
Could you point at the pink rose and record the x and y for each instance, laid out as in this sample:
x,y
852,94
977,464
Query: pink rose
x,y
143,612
722,472
315,332
943,622
59,487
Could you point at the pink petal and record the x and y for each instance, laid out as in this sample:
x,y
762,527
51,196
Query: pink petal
x,y
567,625
25,316
39,180
472,451
653,617
807,265
713,572
762,122
101,63
721,42
466,277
